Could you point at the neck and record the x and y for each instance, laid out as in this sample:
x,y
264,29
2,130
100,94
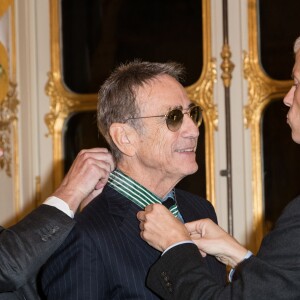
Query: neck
x,y
157,183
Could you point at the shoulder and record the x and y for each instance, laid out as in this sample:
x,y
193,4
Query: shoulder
x,y
193,199
290,216
194,206
293,206
103,213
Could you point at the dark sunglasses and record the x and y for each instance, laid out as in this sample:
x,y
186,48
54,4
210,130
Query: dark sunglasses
x,y
174,117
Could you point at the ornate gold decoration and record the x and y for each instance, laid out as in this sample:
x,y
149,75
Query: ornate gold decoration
x,y
38,191
202,93
4,5
227,65
8,114
60,106
63,102
261,90
4,73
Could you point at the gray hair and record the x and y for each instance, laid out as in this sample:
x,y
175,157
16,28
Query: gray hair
x,y
297,45
117,96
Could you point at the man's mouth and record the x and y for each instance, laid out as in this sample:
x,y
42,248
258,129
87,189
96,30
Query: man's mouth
x,y
193,149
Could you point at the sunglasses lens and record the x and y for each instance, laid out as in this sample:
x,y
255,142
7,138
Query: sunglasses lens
x,y
196,115
174,119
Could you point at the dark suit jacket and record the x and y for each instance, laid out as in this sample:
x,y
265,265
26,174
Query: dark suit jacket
x,y
273,274
104,256
25,246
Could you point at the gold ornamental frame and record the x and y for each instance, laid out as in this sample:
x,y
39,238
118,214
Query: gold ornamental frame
x,y
9,104
261,91
63,102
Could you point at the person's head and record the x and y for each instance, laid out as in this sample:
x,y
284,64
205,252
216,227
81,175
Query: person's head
x,y
143,89
292,98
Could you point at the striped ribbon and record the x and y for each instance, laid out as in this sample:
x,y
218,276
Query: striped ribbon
x,y
134,191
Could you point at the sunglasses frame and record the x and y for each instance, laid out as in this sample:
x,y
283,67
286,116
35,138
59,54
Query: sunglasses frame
x,y
175,127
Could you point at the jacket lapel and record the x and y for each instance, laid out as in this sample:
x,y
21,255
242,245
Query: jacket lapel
x,y
129,224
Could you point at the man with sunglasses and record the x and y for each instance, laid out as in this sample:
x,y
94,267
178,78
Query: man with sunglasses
x,y
274,273
152,128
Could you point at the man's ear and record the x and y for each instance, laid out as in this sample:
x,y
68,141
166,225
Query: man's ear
x,y
123,136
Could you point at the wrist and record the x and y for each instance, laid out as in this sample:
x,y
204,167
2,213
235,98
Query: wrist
x,y
70,197
171,242
238,255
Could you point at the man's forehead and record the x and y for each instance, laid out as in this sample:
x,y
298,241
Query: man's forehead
x,y
164,107
154,98
296,69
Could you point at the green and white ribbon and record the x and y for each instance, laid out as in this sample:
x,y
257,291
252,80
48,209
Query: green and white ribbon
x,y
134,191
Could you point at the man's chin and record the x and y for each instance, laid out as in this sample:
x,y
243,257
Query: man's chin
x,y
296,138
192,170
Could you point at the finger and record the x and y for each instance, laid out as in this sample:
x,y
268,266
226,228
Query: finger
x,y
202,253
141,226
195,236
191,227
141,216
98,154
102,181
94,150
149,207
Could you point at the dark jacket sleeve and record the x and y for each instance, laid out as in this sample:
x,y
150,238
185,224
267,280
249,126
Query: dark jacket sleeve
x,y
273,274
26,246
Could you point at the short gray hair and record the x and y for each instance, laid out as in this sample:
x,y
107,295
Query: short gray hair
x,y
297,45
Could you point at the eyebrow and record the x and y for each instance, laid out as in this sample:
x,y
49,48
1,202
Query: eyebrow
x,y
180,106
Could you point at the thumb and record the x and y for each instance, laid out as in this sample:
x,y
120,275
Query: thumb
x,y
191,227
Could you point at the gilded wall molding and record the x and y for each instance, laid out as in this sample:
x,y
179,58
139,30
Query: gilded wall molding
x,y
202,93
227,65
63,102
8,96
60,104
8,115
4,6
261,90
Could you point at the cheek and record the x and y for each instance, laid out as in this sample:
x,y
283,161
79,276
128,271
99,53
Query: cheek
x,y
294,112
164,146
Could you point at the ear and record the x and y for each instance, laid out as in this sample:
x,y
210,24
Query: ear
x,y
123,136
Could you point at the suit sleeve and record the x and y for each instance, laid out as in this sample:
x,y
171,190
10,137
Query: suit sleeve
x,y
26,246
273,274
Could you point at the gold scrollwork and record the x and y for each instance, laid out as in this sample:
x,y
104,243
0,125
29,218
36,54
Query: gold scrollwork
x,y
202,93
8,114
60,104
227,65
259,91
4,71
4,5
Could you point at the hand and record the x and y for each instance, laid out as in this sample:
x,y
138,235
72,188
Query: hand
x,y
86,177
1,152
212,239
159,228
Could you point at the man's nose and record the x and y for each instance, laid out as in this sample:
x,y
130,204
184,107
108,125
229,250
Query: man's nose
x,y
289,97
189,126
